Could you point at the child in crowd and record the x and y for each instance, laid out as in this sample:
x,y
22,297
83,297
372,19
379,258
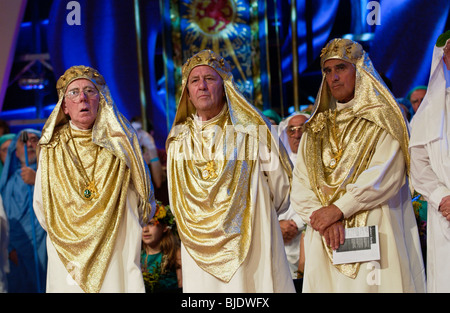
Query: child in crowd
x,y
160,255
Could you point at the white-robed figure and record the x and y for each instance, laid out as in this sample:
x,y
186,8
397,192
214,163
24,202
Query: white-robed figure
x,y
430,164
228,177
351,171
290,131
93,190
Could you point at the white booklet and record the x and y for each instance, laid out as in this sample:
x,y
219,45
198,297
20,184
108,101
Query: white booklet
x,y
361,245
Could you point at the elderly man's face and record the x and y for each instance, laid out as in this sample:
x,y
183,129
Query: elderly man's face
x,y
416,98
340,76
81,103
206,92
295,131
31,149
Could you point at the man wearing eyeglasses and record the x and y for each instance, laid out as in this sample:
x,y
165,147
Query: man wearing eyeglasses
x,y
93,190
81,103
290,131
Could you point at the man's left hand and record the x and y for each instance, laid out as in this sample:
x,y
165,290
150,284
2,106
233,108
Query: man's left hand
x,y
324,217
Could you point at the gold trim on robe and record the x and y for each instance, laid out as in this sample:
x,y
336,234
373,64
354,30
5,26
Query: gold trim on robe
x,y
215,222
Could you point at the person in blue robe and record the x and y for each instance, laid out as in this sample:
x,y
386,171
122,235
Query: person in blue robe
x,y
27,240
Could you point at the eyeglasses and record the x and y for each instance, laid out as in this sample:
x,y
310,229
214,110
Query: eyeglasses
x,y
89,92
33,139
292,130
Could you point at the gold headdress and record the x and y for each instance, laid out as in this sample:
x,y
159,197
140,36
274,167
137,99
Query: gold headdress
x,y
79,72
342,49
206,57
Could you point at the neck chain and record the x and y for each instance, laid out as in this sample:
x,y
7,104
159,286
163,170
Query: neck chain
x,y
336,156
90,190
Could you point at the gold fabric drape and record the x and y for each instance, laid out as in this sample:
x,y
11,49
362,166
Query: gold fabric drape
x,y
214,215
82,231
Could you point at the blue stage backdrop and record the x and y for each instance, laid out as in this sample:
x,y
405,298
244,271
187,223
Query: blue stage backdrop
x,y
403,43
242,30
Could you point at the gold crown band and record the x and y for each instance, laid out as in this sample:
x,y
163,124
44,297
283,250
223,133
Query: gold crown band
x,y
207,57
79,72
344,49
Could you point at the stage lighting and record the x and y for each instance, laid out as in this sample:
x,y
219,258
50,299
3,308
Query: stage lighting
x,y
30,83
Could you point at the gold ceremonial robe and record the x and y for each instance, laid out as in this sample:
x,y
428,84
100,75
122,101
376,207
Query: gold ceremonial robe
x,y
373,191
226,208
93,245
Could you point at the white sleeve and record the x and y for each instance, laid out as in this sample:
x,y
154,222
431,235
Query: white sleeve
x,y
383,178
374,186
424,179
4,242
277,179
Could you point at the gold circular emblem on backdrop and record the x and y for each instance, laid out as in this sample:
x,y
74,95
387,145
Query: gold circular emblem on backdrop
x,y
213,16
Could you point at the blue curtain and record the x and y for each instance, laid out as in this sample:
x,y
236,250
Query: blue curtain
x,y
403,43
315,20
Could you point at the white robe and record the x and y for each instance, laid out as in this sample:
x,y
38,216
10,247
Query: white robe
x,y
292,248
124,270
430,175
382,189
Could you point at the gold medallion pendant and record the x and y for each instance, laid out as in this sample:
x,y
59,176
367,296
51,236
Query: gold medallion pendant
x,y
334,161
90,191
209,172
